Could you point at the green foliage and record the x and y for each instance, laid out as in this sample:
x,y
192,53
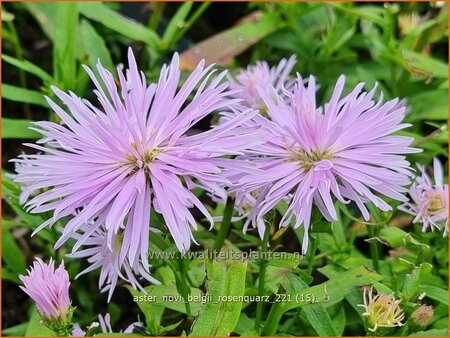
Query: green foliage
x,y
94,46
28,67
337,288
36,328
64,44
15,128
101,13
219,317
19,94
12,254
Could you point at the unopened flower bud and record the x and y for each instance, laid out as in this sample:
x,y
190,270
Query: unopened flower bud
x,y
49,288
422,316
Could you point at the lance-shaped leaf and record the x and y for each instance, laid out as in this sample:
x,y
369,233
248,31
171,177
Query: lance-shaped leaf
x,y
18,128
222,47
331,291
226,279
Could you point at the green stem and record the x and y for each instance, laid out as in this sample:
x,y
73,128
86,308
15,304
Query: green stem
x,y
19,55
273,319
192,19
344,209
184,287
225,225
262,276
155,17
372,230
179,270
312,247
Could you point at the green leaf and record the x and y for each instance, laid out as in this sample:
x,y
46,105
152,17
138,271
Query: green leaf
x,y
435,293
13,93
11,192
176,23
44,13
417,62
316,314
381,288
101,13
94,47
432,333
274,276
29,67
429,105
196,272
369,13
36,328
441,323
170,327
337,229
153,309
154,302
285,259
176,302
222,47
393,236
14,128
12,254
339,321
332,291
65,42
16,330
10,276
219,317
245,326
412,280
321,227
320,320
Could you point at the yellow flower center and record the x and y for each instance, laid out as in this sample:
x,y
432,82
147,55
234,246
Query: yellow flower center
x,y
436,203
118,242
381,310
144,159
308,160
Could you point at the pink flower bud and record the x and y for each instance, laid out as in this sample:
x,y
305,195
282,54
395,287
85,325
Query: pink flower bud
x,y
49,288
423,315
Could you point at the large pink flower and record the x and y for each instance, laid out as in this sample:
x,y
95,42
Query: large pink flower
x,y
345,149
111,165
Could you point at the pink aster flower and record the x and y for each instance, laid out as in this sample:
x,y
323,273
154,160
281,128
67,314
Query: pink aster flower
x,y
104,322
105,325
263,76
246,84
49,288
429,201
111,262
345,149
114,163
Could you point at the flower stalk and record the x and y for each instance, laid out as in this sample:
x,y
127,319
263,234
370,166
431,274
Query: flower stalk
x,y
262,272
225,225
374,252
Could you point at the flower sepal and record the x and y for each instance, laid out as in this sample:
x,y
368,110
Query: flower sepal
x,y
421,317
61,325
379,331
